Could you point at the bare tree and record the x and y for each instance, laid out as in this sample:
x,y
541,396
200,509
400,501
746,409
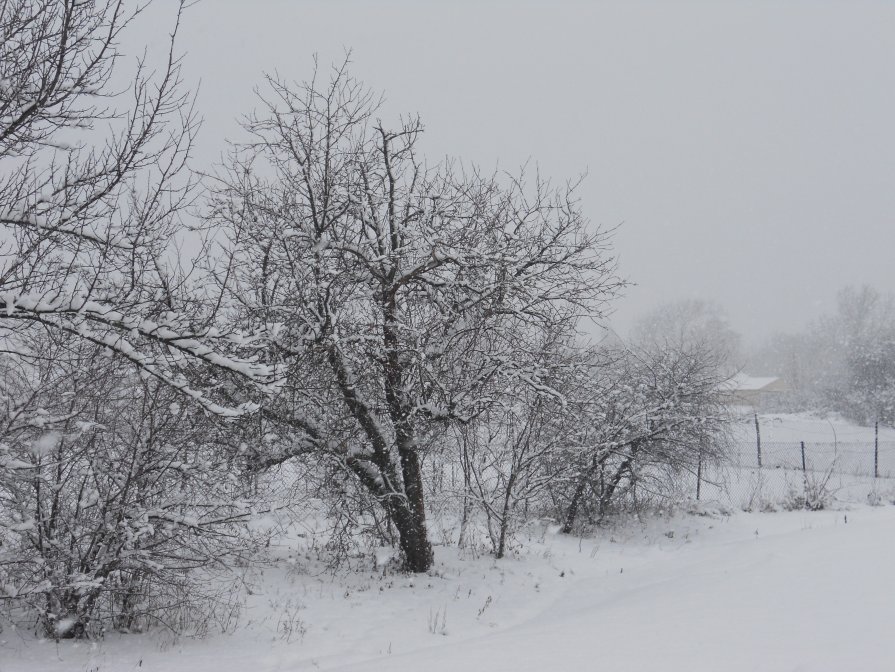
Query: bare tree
x,y
397,292
860,381
648,414
689,324
506,453
91,191
843,362
115,500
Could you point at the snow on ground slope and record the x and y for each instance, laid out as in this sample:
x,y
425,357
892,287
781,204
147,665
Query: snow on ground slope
x,y
788,427
785,591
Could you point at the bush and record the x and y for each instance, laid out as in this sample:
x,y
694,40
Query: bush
x,y
117,506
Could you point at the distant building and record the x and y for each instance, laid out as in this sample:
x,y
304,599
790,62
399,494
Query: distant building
x,y
756,392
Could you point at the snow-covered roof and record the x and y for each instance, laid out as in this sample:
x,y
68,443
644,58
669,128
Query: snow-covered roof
x,y
743,381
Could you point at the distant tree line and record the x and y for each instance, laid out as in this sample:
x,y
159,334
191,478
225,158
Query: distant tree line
x,y
843,362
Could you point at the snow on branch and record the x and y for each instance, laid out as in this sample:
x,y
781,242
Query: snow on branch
x,y
113,329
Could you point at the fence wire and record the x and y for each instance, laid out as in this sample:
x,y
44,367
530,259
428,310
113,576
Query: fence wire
x,y
848,471
852,458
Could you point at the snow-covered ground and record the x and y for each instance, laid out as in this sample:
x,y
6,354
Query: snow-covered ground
x,y
753,591
782,427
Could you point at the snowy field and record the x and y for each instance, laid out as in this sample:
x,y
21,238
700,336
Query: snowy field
x,y
782,427
753,591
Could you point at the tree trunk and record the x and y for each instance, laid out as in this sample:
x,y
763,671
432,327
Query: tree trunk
x,y
610,489
406,508
575,504
66,616
505,518
411,520
414,538
572,511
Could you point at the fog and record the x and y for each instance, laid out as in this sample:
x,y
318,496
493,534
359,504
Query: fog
x,y
745,149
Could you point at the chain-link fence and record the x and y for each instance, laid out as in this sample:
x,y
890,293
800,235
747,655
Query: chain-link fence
x,y
799,473
853,458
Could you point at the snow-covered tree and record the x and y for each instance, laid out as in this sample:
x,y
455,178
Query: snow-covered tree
x,y
93,181
843,362
507,454
862,382
690,323
649,412
398,295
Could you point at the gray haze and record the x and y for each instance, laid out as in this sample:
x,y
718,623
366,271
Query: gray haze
x,y
747,148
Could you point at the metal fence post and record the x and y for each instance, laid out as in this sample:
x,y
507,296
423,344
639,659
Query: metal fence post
x,y
876,449
758,440
699,476
804,468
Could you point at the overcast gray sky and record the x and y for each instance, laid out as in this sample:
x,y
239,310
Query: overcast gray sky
x,y
747,147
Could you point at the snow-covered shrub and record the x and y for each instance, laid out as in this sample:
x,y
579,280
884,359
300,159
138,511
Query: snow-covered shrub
x,y
506,453
356,523
117,501
816,493
878,497
649,416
